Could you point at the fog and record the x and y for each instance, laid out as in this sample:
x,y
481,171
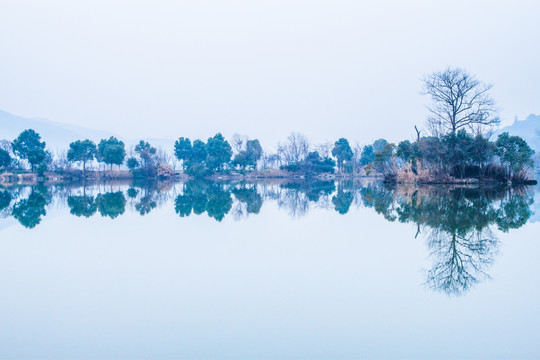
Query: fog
x,y
262,68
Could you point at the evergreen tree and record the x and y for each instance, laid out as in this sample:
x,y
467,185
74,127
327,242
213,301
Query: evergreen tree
x,y
28,146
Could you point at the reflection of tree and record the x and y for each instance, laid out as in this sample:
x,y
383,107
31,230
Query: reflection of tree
x,y
82,205
460,262
342,201
219,202
5,199
296,196
456,221
147,202
381,198
111,204
250,197
30,210
200,197
514,210
132,193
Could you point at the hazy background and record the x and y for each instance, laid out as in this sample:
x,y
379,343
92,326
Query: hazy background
x,y
261,68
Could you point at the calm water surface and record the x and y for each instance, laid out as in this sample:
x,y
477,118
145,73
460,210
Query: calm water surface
x,y
269,271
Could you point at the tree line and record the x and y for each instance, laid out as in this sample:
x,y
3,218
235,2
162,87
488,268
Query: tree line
x,y
457,145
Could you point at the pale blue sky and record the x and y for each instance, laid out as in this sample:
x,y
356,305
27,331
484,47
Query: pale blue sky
x,y
262,68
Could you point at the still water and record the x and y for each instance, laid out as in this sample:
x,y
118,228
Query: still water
x,y
317,270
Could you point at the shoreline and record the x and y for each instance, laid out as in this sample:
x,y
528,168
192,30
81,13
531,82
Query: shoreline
x,y
24,178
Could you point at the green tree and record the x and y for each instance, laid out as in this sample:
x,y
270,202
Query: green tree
x,y
111,151
28,146
405,151
378,145
515,153
367,156
254,152
219,152
5,159
132,163
342,152
183,150
482,151
82,151
384,160
147,154
458,149
249,156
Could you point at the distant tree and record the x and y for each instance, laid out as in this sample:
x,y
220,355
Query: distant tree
x,y
367,156
312,164
378,145
183,150
147,154
325,149
405,151
342,152
28,146
198,151
515,153
219,152
132,163
238,142
82,151
458,148
254,151
295,149
482,151
111,151
5,159
249,156
384,160
195,165
459,100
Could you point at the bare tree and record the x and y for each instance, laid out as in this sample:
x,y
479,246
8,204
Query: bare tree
x,y
459,100
238,142
295,150
325,149
357,154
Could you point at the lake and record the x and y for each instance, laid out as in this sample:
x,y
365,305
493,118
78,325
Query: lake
x,y
274,270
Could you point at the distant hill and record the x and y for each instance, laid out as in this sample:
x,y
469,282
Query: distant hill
x,y
56,135
528,129
59,135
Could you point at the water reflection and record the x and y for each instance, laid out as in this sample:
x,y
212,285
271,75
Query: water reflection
x,y
457,223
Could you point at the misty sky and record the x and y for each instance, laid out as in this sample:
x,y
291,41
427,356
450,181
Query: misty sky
x,y
262,68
